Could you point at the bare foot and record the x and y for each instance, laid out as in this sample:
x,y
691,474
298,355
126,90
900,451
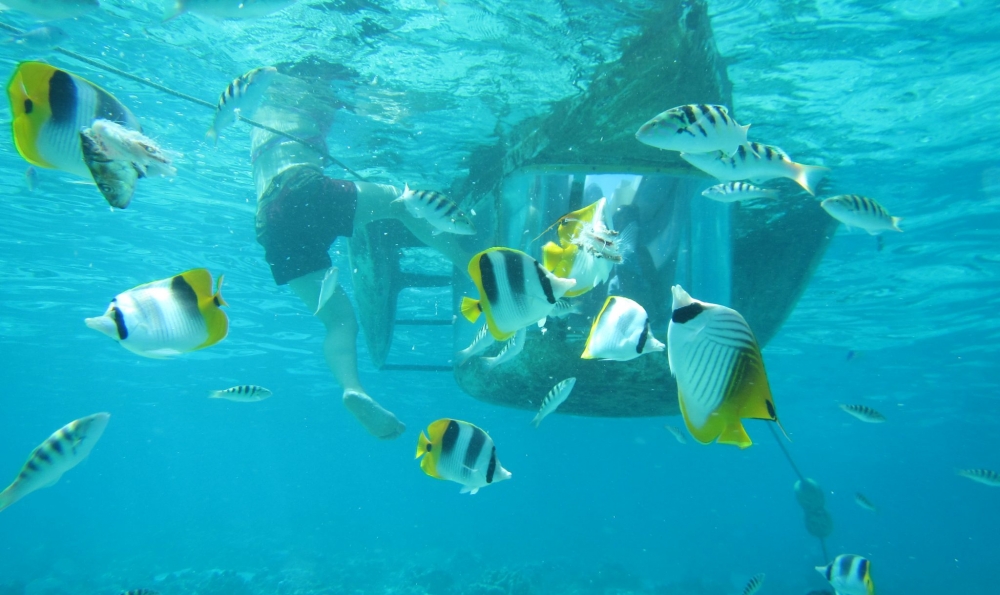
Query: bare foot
x,y
379,421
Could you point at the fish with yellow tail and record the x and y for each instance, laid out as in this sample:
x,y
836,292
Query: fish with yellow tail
x,y
984,476
240,98
620,332
514,291
168,317
719,369
459,451
854,210
62,451
587,250
754,161
694,128
849,575
50,107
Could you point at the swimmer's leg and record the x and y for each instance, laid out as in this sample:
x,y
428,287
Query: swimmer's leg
x,y
340,349
375,201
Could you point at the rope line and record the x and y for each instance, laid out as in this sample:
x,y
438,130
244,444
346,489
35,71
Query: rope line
x,y
192,99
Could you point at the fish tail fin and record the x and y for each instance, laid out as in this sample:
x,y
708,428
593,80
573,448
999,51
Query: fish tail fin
x,y
8,497
213,136
536,422
215,394
177,10
808,176
895,223
422,443
471,309
217,294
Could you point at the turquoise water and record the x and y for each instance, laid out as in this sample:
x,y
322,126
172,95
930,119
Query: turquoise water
x,y
185,495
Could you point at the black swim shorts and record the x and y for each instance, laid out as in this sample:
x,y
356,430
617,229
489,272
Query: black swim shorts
x,y
303,212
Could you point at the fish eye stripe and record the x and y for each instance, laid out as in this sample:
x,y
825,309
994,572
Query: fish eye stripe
x,y
119,323
546,283
491,469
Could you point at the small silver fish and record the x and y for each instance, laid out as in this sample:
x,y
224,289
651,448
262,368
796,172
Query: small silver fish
x,y
737,191
31,178
511,349
860,211
479,344
754,161
437,210
62,451
677,433
242,97
559,393
864,502
565,307
140,592
228,9
983,476
53,9
247,393
754,584
39,38
864,413
115,179
695,128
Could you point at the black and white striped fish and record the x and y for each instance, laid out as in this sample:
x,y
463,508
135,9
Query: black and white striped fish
x,y
719,369
242,97
860,211
983,476
863,501
620,332
754,161
849,575
510,350
438,210
480,343
246,393
754,584
736,192
140,592
62,451
459,451
695,128
514,291
559,393
864,413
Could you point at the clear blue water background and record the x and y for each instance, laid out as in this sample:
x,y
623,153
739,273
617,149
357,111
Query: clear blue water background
x,y
900,99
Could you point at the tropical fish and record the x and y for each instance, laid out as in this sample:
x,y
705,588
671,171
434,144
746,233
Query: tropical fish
x,y
246,393
608,243
757,162
514,291
140,592
228,9
242,96
754,584
327,287
40,38
115,179
121,144
620,332
511,349
50,107
849,575
864,413
737,191
52,9
438,210
587,250
860,211
695,128
62,451
719,370
480,343
677,434
983,476
864,502
167,317
31,178
459,451
565,307
554,399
